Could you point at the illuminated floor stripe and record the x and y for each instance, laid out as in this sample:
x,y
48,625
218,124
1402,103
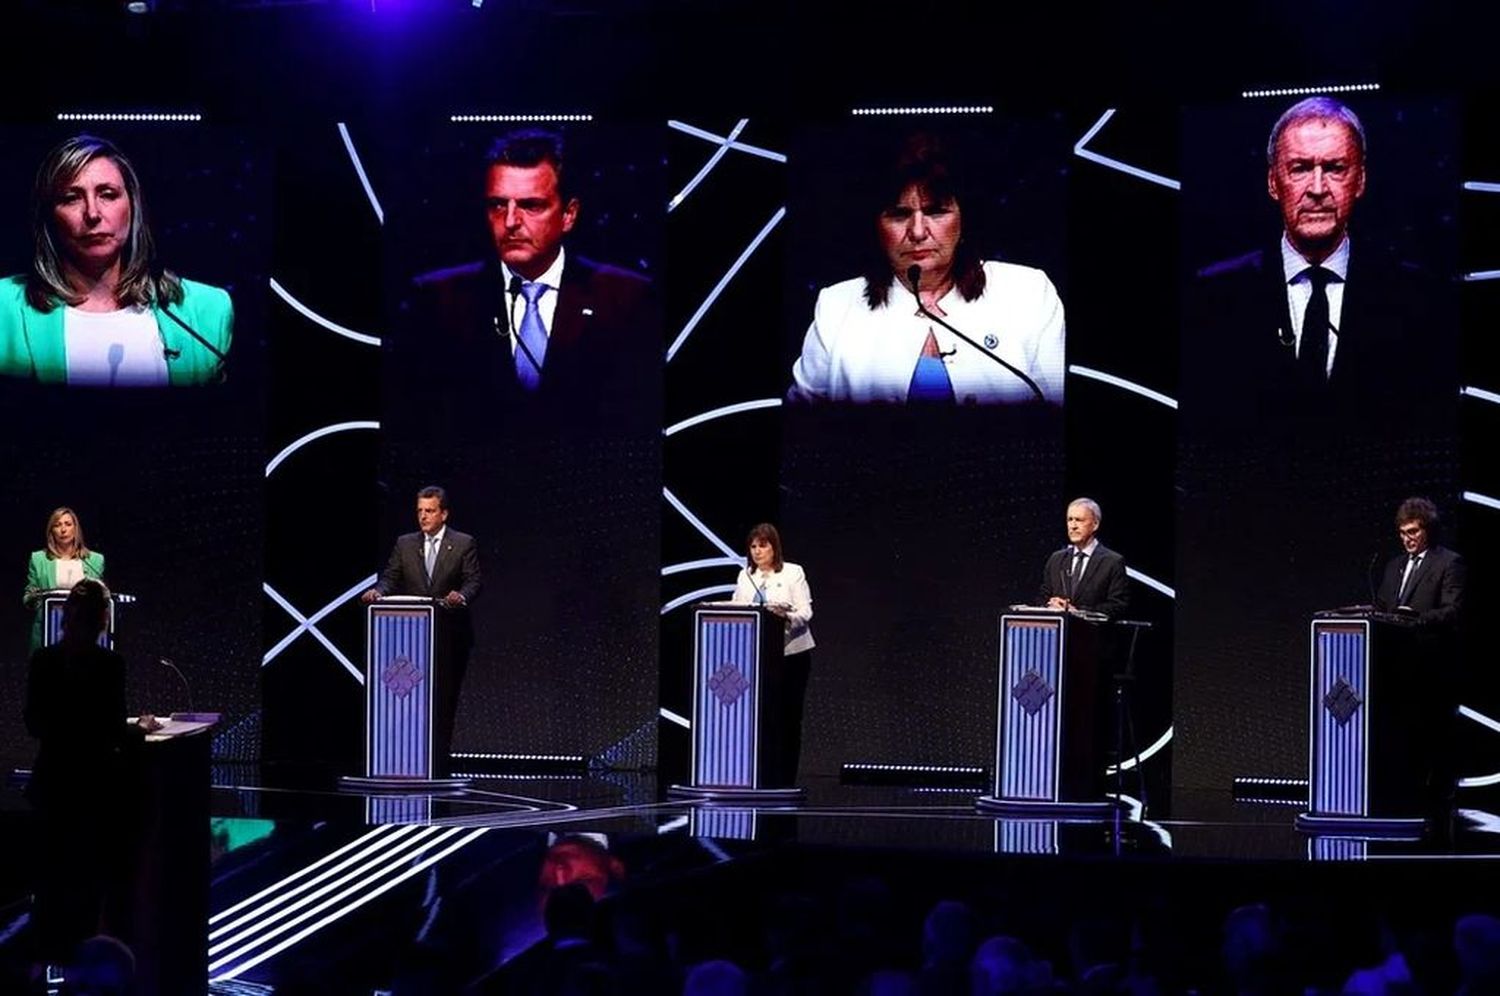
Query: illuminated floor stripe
x,y
313,316
1480,499
713,161
416,869
709,416
1122,383
282,891
1106,161
359,169
713,295
672,717
362,879
1481,187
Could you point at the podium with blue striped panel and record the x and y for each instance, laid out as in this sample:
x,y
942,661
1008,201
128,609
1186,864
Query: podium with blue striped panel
x,y
1362,725
734,704
400,698
1048,757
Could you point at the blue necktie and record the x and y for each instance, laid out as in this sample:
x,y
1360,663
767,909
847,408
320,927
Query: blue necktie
x,y
531,349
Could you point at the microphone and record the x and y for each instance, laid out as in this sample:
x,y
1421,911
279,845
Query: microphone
x,y
750,576
172,354
914,277
167,662
1370,577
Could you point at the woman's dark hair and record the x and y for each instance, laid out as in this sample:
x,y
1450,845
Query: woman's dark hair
x,y
767,532
86,612
922,161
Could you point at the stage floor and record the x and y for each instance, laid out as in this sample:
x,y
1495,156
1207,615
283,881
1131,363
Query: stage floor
x,y
312,881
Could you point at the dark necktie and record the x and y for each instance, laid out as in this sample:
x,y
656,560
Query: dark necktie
x,y
1075,573
1406,580
1312,354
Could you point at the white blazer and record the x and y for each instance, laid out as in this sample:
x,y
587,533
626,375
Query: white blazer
x,y
787,586
855,354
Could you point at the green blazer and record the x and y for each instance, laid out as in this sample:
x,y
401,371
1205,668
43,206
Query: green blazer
x,y
32,343
41,575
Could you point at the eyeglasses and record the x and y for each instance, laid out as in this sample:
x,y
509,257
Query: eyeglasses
x,y
1412,530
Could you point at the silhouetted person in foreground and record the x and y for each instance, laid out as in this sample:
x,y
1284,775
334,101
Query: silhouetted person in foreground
x,y
75,707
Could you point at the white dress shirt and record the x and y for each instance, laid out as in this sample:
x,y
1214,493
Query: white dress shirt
x,y
857,354
1299,292
788,587
546,305
114,348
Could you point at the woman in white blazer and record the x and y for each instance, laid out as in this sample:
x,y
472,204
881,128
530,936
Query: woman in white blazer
x,y
768,580
870,343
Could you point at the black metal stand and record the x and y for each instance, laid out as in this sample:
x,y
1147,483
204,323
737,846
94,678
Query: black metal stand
x,y
1123,681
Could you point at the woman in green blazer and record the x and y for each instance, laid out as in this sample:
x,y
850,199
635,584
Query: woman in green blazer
x,y
62,563
96,308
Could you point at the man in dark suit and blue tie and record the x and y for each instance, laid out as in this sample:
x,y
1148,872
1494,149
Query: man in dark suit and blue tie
x,y
1085,574
442,564
535,325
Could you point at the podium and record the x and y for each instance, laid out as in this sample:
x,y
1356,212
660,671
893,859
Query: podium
x,y
401,698
168,902
52,616
735,704
1051,730
1368,715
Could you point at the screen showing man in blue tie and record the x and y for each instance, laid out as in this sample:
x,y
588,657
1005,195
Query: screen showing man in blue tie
x,y
538,323
442,564
1085,574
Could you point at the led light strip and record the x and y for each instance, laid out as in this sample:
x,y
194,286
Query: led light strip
x,y
1130,762
707,167
953,109
495,118
112,116
696,595
1307,91
713,295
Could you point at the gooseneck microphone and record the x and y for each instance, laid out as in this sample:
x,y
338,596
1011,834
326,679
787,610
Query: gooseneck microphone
x,y
172,354
1370,578
914,277
167,661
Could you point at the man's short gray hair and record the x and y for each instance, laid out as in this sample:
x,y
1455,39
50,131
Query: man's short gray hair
x,y
1315,109
1092,506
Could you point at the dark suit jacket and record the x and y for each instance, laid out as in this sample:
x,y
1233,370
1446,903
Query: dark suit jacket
x,y
456,568
1396,354
604,349
1436,591
1104,586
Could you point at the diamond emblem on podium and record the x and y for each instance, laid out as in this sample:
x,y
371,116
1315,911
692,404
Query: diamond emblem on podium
x,y
400,676
1031,692
728,684
1342,701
